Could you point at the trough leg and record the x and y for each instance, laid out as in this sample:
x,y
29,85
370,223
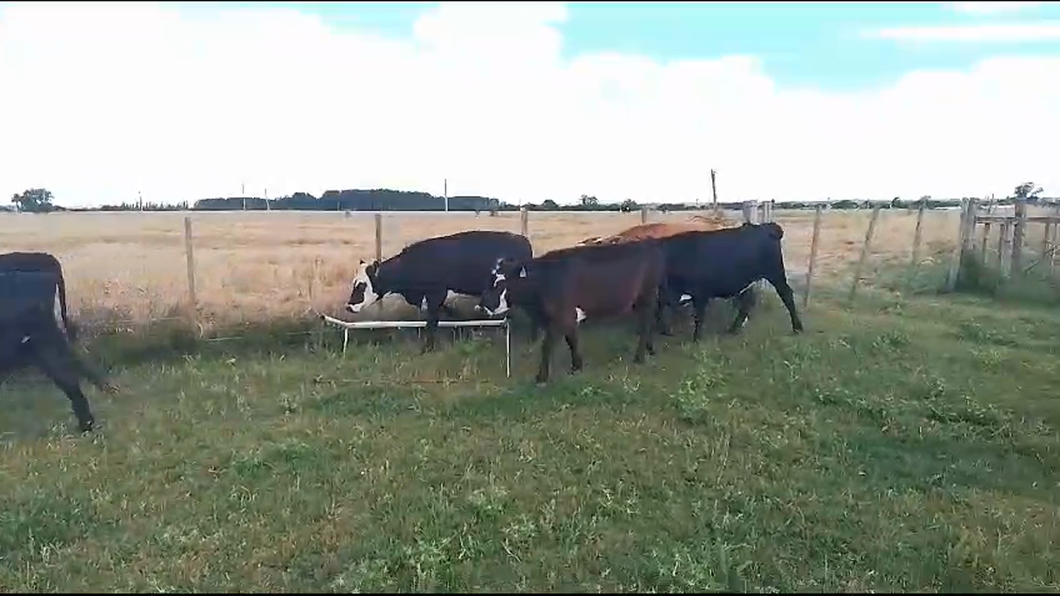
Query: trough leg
x,y
780,284
63,372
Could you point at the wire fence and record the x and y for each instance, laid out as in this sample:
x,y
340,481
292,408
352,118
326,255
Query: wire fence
x,y
220,270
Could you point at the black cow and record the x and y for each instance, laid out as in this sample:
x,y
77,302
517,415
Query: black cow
x,y
41,261
560,289
425,273
725,264
31,333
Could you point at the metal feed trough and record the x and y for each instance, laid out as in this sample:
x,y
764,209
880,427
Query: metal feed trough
x,y
347,326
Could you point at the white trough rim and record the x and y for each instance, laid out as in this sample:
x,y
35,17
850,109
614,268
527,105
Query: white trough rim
x,y
347,326
412,324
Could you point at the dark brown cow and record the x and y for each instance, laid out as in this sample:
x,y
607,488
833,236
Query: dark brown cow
x,y
41,261
31,334
559,289
726,264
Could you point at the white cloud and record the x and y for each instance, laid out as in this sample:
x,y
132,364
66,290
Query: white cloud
x,y
991,8
1010,33
99,102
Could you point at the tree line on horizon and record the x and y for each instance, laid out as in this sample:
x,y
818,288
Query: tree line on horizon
x,y
40,200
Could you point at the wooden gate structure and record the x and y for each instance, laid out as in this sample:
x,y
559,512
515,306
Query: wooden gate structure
x,y
1014,252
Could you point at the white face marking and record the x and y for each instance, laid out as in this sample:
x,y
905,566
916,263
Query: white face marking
x,y
579,315
423,303
684,298
502,303
369,296
25,339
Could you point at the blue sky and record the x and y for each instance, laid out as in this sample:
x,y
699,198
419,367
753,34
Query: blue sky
x,y
904,99
818,44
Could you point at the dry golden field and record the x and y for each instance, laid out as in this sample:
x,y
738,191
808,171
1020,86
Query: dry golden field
x,y
128,268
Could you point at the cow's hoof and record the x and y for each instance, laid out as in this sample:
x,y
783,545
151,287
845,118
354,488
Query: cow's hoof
x,y
86,427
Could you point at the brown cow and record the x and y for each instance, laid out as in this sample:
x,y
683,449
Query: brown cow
x,y
561,288
661,229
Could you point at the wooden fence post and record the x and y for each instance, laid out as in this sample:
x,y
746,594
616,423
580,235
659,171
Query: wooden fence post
x,y
379,237
987,227
747,208
918,234
1004,243
189,256
1018,234
644,214
714,191
864,252
1052,241
524,221
1047,241
955,259
813,256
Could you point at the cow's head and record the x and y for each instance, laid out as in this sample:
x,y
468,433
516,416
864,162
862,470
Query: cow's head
x,y
494,301
365,287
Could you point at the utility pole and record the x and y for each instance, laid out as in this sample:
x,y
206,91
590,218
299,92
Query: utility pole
x,y
445,192
714,189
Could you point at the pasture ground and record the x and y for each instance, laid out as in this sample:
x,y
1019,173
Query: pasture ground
x,y
907,443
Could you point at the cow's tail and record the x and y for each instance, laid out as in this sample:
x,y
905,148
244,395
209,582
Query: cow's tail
x,y
71,329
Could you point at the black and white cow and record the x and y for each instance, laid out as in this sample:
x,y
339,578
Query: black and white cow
x,y
428,272
725,263
32,332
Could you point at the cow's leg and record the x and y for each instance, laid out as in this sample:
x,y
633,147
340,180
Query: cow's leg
x,y
537,322
699,310
649,303
94,374
60,366
779,282
434,306
547,345
745,301
576,361
662,300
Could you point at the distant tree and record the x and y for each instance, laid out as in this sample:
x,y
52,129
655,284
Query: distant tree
x,y
1028,192
629,205
549,205
588,201
34,200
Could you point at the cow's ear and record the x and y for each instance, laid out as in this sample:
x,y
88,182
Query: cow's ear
x,y
522,271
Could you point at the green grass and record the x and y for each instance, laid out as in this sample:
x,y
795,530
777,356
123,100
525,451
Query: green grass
x,y
908,443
